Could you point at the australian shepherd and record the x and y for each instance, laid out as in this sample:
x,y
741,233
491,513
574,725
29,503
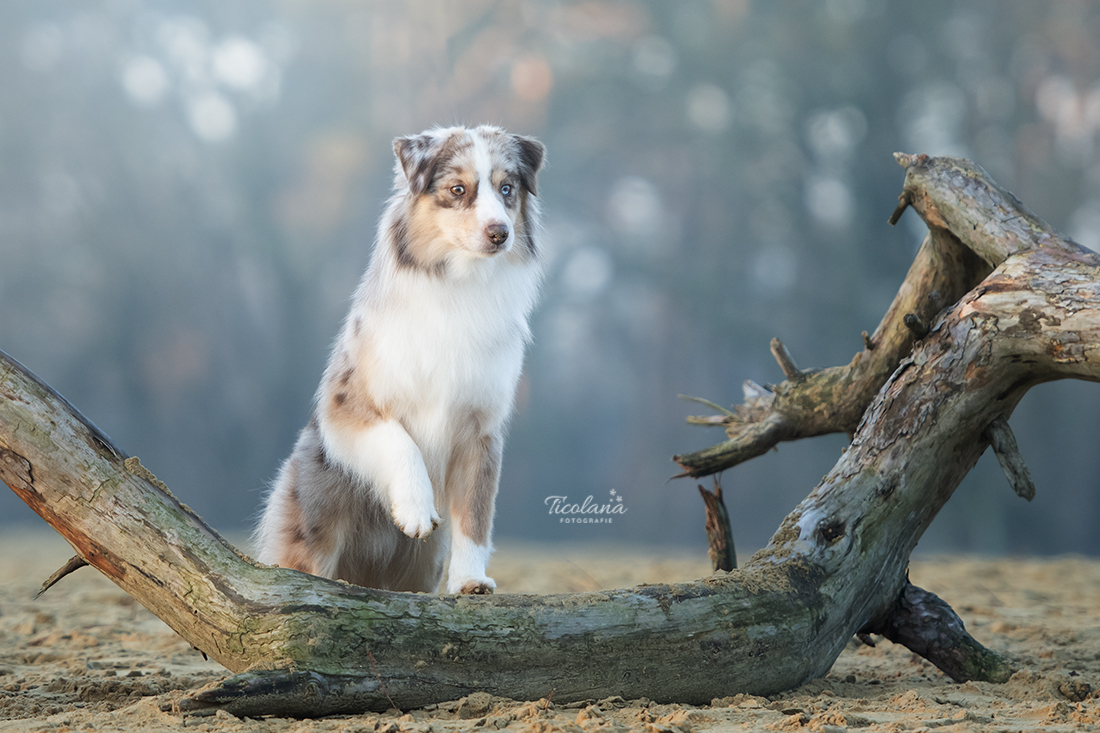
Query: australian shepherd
x,y
399,464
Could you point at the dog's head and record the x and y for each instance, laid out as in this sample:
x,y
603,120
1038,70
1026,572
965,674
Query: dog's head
x,y
468,193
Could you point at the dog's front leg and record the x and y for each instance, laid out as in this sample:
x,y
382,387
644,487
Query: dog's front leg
x,y
385,456
472,480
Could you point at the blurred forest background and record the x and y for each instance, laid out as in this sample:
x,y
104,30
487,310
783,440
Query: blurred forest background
x,y
189,191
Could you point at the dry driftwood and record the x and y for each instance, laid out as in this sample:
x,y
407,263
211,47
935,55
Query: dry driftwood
x,y
1000,302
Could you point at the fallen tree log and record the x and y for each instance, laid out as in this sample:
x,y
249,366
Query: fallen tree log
x,y
836,566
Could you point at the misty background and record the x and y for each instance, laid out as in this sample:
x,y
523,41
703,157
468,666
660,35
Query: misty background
x,y
189,191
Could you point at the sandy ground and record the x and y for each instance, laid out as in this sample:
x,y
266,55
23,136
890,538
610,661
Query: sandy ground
x,y
85,657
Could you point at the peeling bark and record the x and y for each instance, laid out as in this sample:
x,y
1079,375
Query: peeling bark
x,y
1008,304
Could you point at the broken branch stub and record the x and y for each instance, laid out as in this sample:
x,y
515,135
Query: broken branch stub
x,y
1003,443
720,545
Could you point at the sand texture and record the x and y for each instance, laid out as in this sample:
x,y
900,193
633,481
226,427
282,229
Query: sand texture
x,y
85,657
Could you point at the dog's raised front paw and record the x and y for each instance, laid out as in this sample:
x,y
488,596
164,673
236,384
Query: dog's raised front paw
x,y
416,522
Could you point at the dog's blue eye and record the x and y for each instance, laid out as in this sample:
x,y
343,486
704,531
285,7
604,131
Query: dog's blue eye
x,y
505,190
458,190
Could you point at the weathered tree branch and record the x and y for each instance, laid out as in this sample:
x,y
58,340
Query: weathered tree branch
x,y
922,622
832,400
957,200
837,564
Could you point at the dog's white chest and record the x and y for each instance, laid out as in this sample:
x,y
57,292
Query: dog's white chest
x,y
447,347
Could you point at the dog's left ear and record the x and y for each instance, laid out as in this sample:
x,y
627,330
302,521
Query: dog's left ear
x,y
531,154
417,155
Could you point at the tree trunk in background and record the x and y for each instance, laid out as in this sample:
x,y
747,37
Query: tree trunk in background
x,y
920,400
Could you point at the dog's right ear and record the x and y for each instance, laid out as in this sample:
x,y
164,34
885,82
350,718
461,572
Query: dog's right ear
x,y
417,155
531,155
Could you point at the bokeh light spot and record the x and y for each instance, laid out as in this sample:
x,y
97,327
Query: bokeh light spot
x,y
239,63
212,117
709,108
532,78
144,80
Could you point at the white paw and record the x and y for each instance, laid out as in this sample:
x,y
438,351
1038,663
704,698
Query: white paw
x,y
471,586
416,519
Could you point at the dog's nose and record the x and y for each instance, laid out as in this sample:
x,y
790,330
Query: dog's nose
x,y
497,232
